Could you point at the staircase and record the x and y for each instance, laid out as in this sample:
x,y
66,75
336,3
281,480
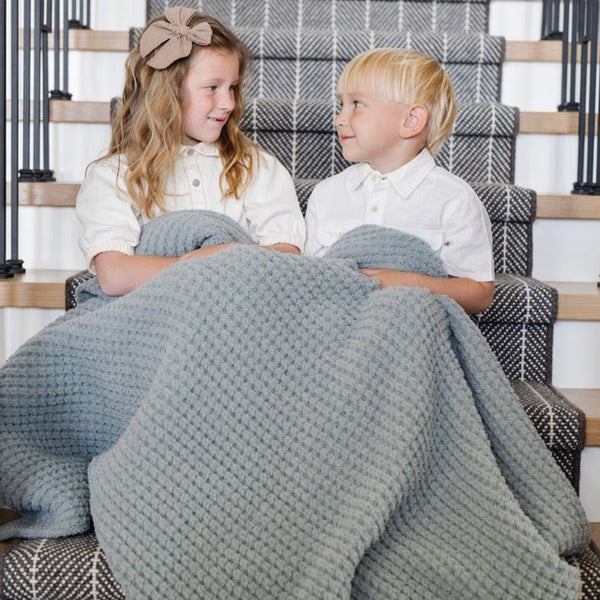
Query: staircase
x,y
50,230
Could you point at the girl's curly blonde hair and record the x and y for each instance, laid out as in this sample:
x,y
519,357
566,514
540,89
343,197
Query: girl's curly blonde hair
x,y
147,128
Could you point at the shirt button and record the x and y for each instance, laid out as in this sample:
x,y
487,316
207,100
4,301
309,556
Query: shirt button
x,y
196,182
190,153
374,208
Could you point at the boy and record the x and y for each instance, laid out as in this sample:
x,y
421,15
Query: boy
x,y
397,108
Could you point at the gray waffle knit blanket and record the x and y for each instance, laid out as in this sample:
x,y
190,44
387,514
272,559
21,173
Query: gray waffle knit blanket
x,y
268,426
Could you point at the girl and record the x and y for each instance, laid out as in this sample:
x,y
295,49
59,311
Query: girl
x,y
176,144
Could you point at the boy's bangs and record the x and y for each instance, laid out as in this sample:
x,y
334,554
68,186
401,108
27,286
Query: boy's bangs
x,y
369,78
360,78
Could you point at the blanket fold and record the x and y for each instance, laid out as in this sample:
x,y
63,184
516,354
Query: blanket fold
x,y
263,425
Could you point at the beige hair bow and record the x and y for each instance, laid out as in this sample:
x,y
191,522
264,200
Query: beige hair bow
x,y
172,39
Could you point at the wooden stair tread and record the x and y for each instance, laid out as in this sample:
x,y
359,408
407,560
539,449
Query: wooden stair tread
x,y
36,288
87,111
549,206
70,111
577,300
89,40
588,400
567,206
595,529
551,123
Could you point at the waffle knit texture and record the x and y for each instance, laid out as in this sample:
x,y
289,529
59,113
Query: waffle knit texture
x,y
261,425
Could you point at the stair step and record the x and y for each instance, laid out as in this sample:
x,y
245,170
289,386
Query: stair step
x,y
87,40
36,288
549,206
69,111
557,123
567,206
45,288
46,194
588,400
595,529
577,300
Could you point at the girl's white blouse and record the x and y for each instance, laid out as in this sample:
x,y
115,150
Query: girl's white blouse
x,y
267,210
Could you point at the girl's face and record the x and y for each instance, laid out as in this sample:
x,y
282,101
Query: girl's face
x,y
209,91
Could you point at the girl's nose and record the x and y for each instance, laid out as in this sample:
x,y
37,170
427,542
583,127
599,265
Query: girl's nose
x,y
227,100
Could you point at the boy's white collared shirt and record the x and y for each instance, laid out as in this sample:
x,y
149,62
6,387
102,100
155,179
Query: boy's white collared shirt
x,y
419,198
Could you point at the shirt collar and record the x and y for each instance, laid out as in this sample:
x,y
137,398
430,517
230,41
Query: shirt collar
x,y
404,180
203,148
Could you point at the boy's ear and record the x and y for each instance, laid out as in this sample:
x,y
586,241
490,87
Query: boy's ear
x,y
414,120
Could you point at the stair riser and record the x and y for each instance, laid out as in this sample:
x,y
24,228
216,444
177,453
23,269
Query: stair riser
x,y
589,489
566,250
531,89
576,354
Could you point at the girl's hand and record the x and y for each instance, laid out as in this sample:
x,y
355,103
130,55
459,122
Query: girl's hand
x,y
285,248
207,251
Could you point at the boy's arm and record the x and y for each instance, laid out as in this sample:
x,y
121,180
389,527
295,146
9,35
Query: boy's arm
x,y
473,296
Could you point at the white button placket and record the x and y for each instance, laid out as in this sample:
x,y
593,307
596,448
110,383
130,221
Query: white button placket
x,y
194,178
377,190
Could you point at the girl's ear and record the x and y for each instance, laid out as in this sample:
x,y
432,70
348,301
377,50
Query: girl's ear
x,y
414,120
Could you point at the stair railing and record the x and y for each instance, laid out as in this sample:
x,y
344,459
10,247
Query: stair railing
x,y
29,79
575,22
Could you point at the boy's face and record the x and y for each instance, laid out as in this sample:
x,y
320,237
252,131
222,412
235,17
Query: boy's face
x,y
369,129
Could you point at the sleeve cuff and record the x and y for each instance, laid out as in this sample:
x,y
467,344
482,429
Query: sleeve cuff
x,y
283,238
105,246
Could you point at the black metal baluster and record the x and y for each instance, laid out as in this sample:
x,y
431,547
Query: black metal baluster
x,y
58,93
550,20
26,172
37,27
65,49
15,264
4,267
591,117
584,50
46,174
569,56
565,55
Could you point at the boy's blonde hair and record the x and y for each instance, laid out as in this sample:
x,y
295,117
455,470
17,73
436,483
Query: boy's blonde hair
x,y
407,77
148,125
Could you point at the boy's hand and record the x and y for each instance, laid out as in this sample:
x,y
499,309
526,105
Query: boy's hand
x,y
473,296
389,277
